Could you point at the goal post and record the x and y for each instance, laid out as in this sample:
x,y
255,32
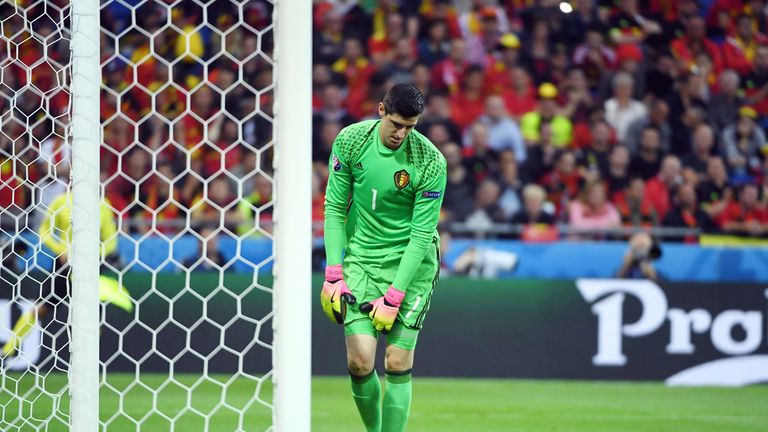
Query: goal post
x,y
86,200
293,235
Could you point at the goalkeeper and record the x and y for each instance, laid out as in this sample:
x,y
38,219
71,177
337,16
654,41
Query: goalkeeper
x,y
383,199
55,233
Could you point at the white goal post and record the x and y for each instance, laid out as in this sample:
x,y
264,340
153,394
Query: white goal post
x,y
292,354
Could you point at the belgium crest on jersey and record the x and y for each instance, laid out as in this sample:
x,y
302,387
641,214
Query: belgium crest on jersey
x,y
402,178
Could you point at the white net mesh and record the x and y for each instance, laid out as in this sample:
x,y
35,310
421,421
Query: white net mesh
x,y
186,171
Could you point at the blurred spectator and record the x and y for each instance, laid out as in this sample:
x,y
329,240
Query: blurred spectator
x,y
702,143
594,158
546,113
756,81
541,156
617,177
331,111
659,189
400,68
714,193
254,211
634,209
563,182
520,97
480,159
647,161
657,118
487,210
511,186
579,102
447,75
498,74
745,216
327,43
357,71
503,133
594,57
326,135
687,109
533,211
621,110
638,261
538,50
459,191
629,26
686,214
217,205
468,103
743,144
694,43
434,48
482,27
740,48
592,209
724,105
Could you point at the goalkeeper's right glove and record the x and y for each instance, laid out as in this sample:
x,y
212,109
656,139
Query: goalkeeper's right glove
x,y
335,294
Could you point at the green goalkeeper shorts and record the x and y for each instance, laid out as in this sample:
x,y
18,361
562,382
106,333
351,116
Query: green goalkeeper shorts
x,y
369,282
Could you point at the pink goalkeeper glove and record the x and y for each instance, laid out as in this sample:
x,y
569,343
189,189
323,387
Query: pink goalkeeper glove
x,y
335,294
383,310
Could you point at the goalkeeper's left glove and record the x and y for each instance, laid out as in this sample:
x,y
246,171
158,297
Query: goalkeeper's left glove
x,y
335,294
383,310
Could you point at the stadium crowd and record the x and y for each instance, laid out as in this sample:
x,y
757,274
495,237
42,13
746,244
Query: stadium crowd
x,y
619,113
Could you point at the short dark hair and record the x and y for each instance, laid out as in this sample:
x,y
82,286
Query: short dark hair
x,y
405,100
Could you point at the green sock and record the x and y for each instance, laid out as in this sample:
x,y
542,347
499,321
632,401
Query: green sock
x,y
397,401
366,390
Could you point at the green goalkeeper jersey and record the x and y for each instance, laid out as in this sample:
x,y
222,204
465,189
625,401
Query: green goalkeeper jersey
x,y
380,201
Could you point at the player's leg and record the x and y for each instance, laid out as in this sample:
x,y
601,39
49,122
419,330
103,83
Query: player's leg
x,y
360,337
366,388
24,324
398,364
401,342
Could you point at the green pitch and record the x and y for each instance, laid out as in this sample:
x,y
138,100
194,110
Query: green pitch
x,y
445,405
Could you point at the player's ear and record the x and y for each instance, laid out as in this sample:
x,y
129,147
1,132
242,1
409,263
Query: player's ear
x,y
381,109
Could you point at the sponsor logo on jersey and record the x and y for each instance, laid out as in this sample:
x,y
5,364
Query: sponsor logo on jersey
x,y
430,194
402,179
336,163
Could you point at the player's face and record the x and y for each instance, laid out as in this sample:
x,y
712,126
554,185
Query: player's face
x,y
394,128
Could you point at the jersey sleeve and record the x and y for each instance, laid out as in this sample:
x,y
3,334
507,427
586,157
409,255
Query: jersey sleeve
x,y
336,201
426,214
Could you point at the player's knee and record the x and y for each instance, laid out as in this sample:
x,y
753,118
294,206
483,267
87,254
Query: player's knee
x,y
398,360
359,365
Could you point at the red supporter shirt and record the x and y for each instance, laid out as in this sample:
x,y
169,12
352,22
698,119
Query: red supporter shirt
x,y
681,49
446,76
657,195
464,110
739,55
519,104
735,213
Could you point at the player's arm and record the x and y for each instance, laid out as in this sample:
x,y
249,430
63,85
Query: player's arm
x,y
56,244
108,232
426,213
335,294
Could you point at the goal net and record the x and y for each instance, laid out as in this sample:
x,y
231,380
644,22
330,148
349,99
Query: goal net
x,y
186,219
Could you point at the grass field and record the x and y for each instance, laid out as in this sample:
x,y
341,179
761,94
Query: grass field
x,y
445,405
